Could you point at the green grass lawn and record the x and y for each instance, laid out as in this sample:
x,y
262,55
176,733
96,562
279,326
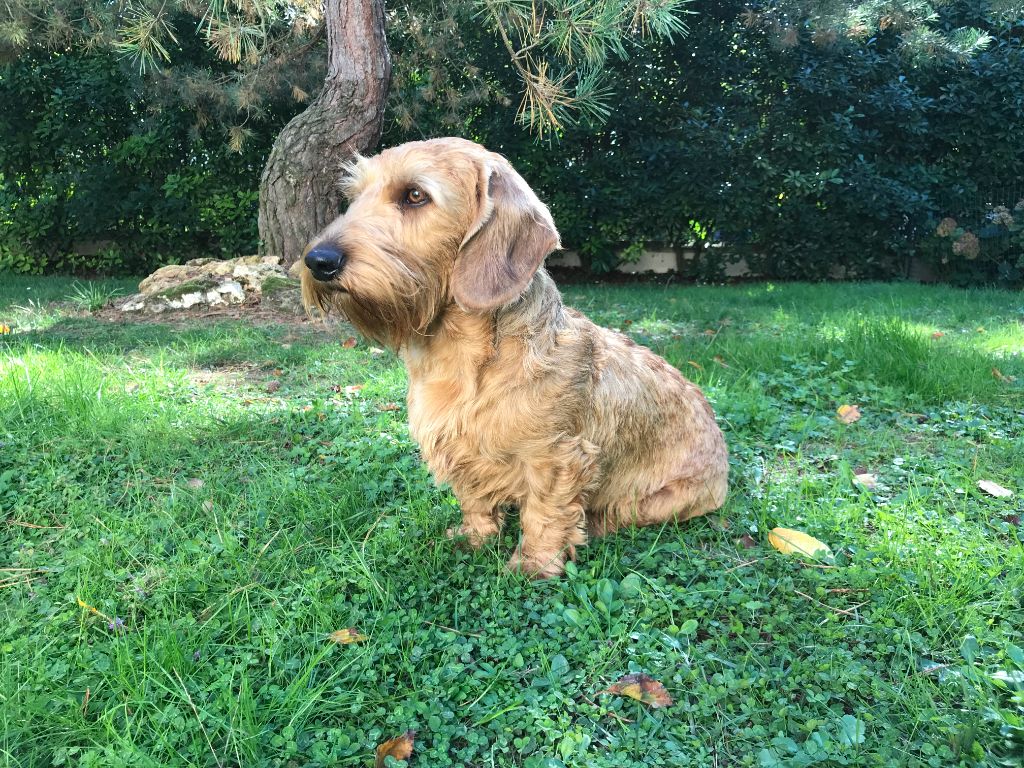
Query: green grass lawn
x,y
225,495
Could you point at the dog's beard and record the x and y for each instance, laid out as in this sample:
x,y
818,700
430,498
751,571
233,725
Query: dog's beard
x,y
384,299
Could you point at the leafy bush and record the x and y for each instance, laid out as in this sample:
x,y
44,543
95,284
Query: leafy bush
x,y
804,154
92,181
799,153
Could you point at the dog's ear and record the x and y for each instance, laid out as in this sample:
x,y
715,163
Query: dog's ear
x,y
507,242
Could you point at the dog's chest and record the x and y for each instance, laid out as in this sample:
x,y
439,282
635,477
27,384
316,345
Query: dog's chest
x,y
463,422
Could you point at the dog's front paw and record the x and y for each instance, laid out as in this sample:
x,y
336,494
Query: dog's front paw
x,y
469,536
537,566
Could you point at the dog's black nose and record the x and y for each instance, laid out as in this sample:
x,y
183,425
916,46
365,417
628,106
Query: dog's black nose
x,y
325,261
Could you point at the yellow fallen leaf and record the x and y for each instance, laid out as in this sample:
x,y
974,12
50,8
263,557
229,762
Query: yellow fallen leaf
x,y
399,748
4,329
696,365
849,413
642,688
1000,376
347,636
995,489
790,542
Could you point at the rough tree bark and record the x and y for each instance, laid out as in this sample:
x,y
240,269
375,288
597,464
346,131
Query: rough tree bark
x,y
299,189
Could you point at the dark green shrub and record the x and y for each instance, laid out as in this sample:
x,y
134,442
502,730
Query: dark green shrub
x,y
92,180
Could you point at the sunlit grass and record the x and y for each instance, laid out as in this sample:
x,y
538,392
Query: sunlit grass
x,y
216,489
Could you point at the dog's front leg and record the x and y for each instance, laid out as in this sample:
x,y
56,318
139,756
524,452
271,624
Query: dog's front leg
x,y
550,535
552,515
480,521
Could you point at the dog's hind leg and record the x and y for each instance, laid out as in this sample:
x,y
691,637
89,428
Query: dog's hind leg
x,y
677,500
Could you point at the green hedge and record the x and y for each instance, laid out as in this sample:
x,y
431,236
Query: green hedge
x,y
797,157
92,180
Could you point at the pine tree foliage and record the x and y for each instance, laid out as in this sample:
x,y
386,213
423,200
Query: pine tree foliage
x,y
234,63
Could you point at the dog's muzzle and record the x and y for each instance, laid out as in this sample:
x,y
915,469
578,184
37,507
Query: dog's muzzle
x,y
325,262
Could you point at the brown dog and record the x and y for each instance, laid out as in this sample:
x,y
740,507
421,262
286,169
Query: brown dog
x,y
514,399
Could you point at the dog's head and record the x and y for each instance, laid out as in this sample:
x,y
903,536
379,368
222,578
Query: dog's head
x,y
429,224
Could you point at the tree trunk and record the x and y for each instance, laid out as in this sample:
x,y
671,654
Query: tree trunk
x,y
299,192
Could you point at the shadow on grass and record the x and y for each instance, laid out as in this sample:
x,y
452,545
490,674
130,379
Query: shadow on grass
x,y
216,343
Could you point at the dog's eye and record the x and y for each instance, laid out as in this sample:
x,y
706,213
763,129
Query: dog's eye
x,y
415,196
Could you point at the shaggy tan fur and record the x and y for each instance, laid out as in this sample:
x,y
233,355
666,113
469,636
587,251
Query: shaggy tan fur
x,y
513,398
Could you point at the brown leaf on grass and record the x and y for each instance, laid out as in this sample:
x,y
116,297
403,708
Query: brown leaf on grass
x,y
866,480
720,360
642,688
747,541
938,335
349,342
995,489
4,329
1000,376
399,748
849,413
351,389
273,386
696,365
390,407
346,636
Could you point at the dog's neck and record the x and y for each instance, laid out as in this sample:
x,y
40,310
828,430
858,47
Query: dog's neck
x,y
469,340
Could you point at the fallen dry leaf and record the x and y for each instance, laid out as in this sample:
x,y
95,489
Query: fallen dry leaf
x,y
399,748
642,688
696,365
938,335
4,329
273,386
790,542
349,342
351,389
746,541
1000,376
390,407
849,413
208,506
195,482
347,636
995,489
376,351
720,360
866,480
